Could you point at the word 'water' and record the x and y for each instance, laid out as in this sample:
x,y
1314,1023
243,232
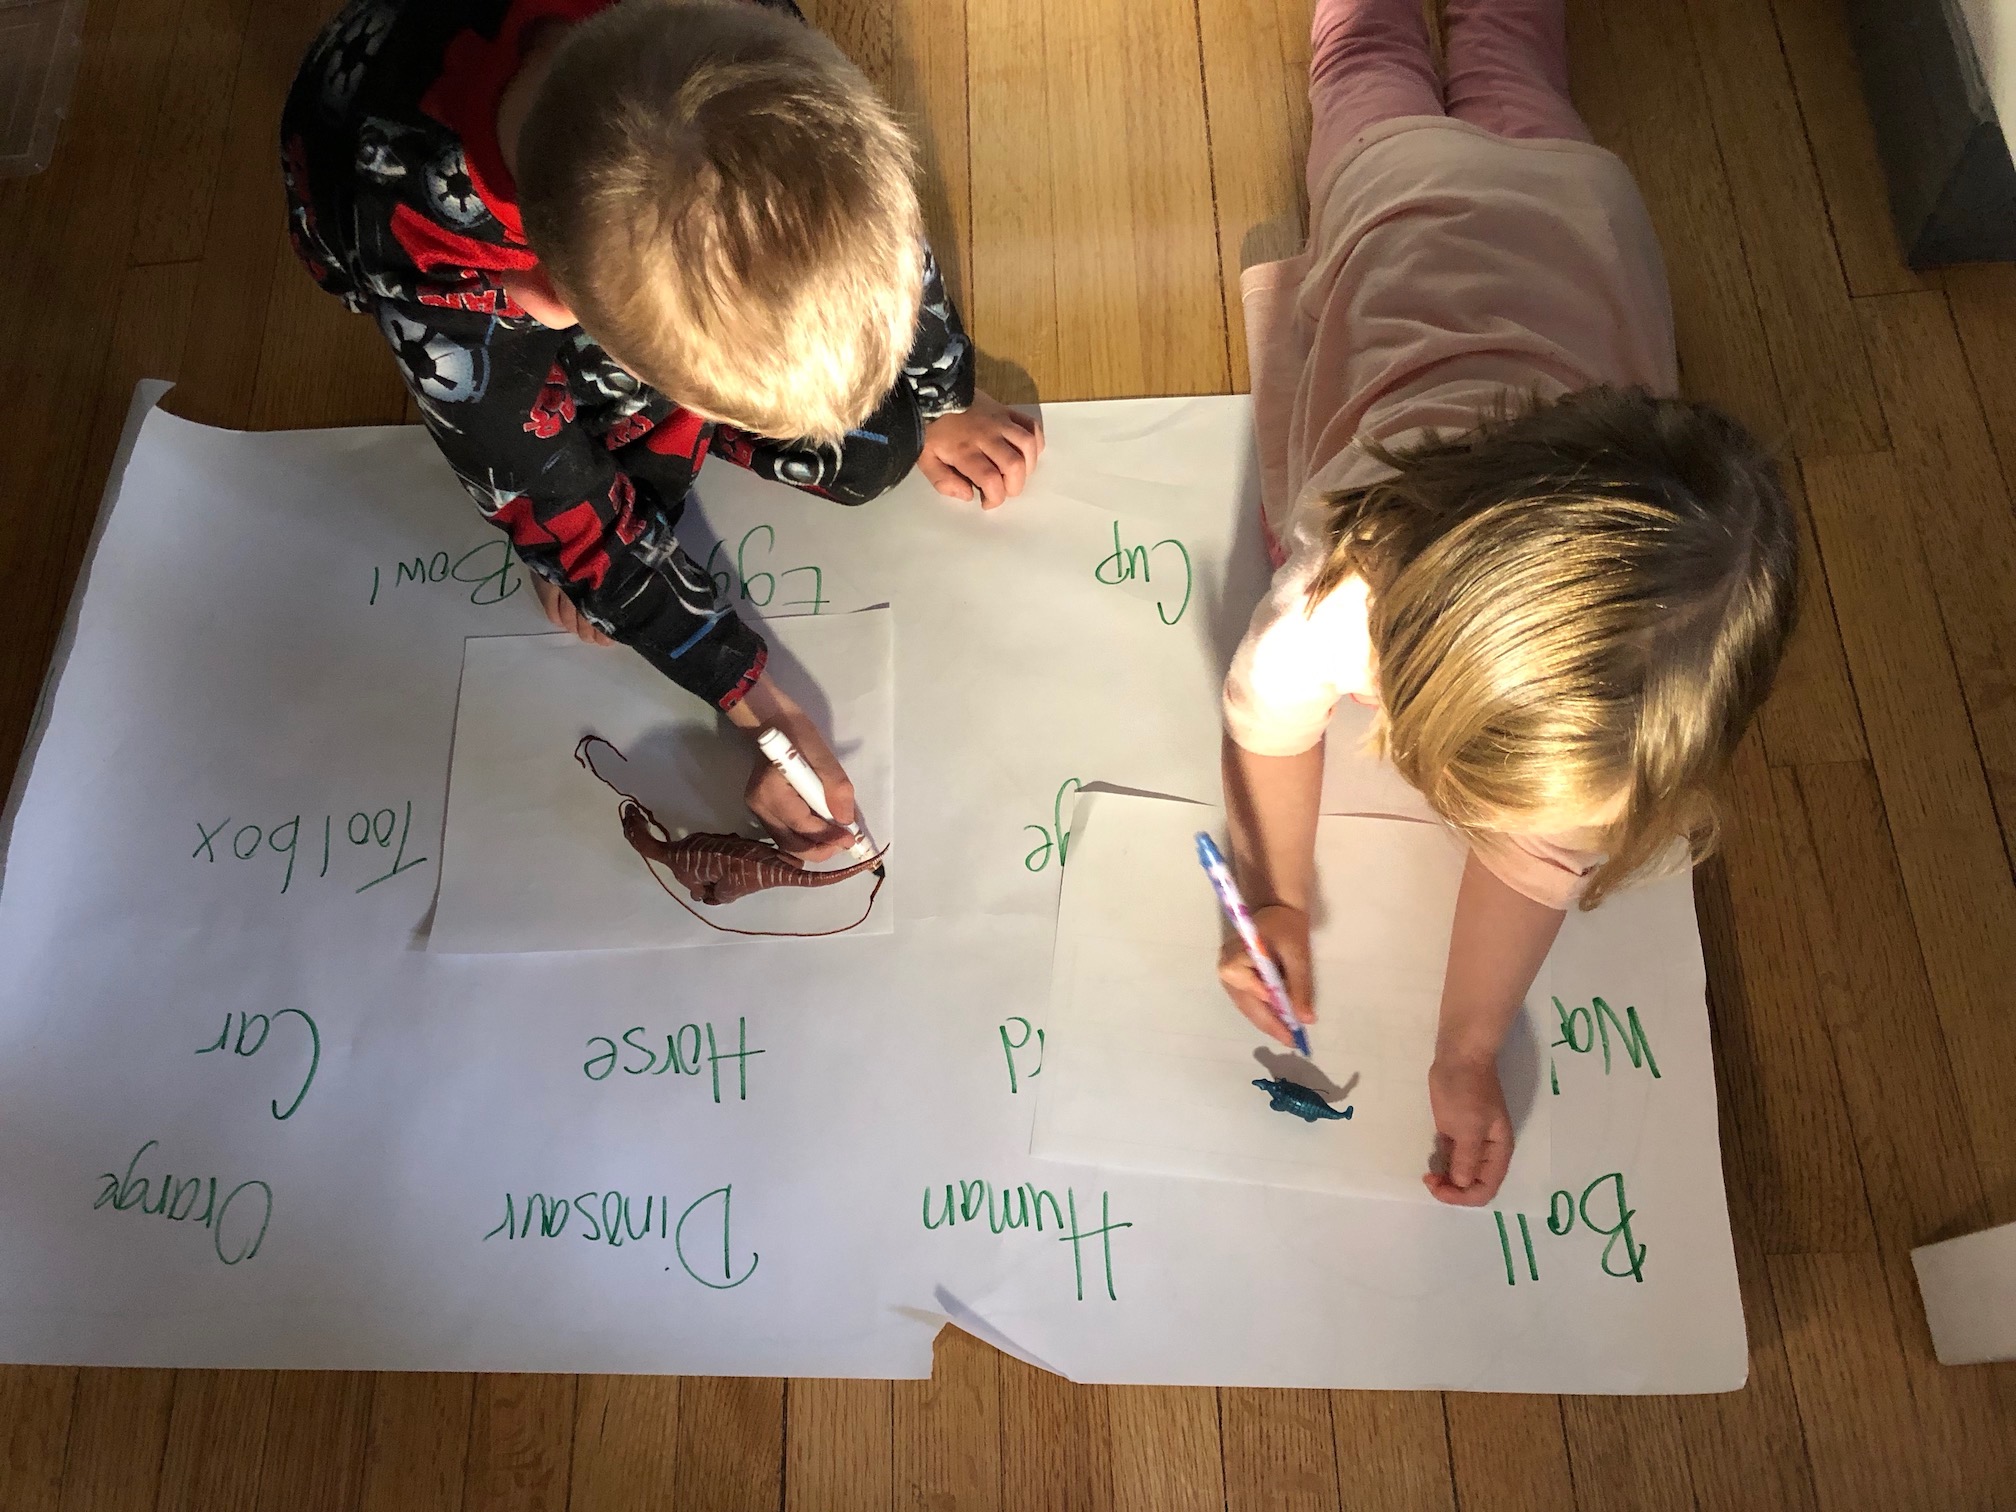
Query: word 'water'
x,y
363,832
617,1218
237,1224
641,1057
1583,1028
1021,1207
1563,1208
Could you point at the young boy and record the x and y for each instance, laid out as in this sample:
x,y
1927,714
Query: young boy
x,y
607,237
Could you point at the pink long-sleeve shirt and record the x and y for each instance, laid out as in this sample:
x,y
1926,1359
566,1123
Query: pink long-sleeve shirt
x,y
1447,271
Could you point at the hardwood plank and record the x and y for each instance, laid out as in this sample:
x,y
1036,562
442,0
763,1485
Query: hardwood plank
x,y
315,1439
1935,795
1745,1449
321,365
1392,1451
731,1443
1811,713
35,1413
930,86
1921,1179
1836,116
1508,1453
1167,1456
521,1432
1796,1155
216,1441
1920,1175
1628,1452
1967,527
245,237
64,239
626,1444
839,1446
1092,212
1012,297
118,1430
1802,296
1256,89
187,136
418,1445
1671,146
1848,1372
1280,1450
1056,1443
1983,301
948,1430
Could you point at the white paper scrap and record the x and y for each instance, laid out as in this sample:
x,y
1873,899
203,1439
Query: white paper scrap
x,y
1151,1069
1969,1286
535,858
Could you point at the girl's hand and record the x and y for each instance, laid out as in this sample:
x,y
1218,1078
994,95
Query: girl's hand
x,y
561,612
986,449
1473,1132
1285,933
800,833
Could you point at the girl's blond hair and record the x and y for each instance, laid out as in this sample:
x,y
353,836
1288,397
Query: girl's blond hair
x,y
731,210
1574,608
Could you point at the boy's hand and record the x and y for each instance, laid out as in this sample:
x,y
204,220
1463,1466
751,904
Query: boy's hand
x,y
987,449
1285,933
561,611
800,833
1473,1131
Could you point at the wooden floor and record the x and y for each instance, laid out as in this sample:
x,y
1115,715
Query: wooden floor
x,y
1100,169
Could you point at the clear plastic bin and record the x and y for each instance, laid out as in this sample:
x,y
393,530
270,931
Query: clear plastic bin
x,y
39,43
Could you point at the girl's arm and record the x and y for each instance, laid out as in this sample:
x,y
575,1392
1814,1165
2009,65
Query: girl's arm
x,y
1496,945
1270,812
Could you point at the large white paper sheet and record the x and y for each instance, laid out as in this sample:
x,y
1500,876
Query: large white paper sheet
x,y
1149,1068
434,1161
534,858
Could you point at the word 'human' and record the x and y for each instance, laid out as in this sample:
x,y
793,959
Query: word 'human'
x,y
1021,1207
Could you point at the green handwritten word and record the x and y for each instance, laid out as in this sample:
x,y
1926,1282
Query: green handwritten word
x,y
266,1023
607,1218
1563,1208
1020,1041
1056,837
1127,563
1582,1028
677,1055
490,572
368,831
759,587
177,1199
1021,1207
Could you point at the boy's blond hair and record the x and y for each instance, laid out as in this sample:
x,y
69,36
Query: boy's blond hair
x,y
730,209
1575,611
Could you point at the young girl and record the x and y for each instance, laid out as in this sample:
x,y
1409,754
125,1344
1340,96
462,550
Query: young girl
x,y
1565,590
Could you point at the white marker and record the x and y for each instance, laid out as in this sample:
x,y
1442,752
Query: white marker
x,y
776,745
